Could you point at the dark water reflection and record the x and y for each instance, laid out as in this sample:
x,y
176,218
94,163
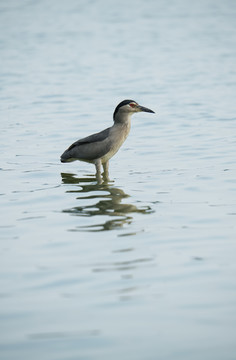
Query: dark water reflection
x,y
107,202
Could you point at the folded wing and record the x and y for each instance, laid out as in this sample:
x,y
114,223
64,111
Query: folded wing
x,y
89,148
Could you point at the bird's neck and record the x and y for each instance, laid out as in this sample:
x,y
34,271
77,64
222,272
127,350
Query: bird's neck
x,y
123,124
123,118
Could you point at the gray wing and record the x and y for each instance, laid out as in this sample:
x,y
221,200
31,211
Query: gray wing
x,y
102,135
89,148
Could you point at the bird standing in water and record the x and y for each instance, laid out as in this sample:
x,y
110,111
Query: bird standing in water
x,y
99,148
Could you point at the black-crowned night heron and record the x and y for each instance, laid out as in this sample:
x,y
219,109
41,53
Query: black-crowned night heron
x,y
100,147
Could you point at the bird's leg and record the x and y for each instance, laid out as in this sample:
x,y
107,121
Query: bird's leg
x,y
98,164
105,168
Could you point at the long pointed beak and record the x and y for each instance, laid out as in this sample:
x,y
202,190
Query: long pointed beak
x,y
142,108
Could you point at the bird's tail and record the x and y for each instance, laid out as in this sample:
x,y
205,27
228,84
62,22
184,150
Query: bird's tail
x,y
66,157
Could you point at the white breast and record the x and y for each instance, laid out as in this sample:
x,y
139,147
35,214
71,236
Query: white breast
x,y
119,133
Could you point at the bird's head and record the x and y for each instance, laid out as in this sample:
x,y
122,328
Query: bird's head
x,y
127,108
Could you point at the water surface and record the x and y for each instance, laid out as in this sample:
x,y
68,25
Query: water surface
x,y
142,266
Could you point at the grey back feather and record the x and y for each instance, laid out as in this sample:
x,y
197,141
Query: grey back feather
x,y
89,148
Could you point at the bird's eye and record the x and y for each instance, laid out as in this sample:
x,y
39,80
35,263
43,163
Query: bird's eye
x,y
132,105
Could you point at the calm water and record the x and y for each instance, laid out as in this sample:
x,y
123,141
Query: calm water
x,y
143,267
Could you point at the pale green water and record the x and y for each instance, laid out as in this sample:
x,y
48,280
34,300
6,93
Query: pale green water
x,y
142,267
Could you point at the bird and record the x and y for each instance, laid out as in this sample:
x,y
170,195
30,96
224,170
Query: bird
x,y
100,147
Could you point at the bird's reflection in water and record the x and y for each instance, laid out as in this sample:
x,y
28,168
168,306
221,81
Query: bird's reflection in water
x,y
107,202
